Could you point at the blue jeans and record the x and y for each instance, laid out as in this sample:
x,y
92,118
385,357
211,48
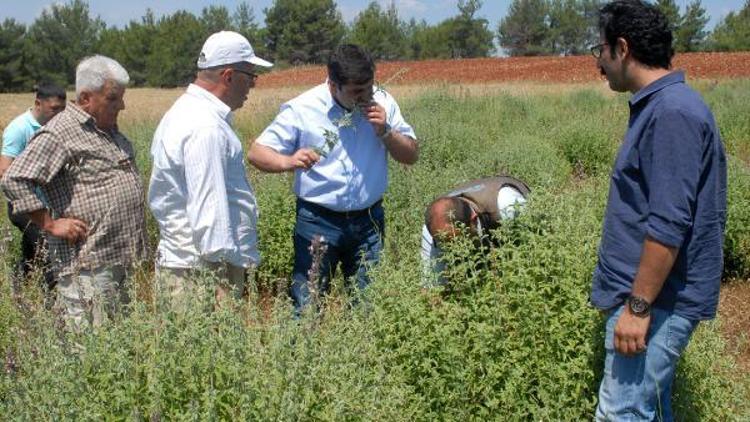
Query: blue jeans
x,y
639,388
353,239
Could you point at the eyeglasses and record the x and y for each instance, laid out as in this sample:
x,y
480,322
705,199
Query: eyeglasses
x,y
596,50
251,75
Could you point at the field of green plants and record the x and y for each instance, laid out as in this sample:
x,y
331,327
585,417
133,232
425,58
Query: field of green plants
x,y
512,338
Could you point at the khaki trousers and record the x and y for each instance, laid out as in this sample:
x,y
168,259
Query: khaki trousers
x,y
91,296
175,284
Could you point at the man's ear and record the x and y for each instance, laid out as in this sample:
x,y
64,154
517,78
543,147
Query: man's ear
x,y
226,75
332,87
83,98
623,48
473,220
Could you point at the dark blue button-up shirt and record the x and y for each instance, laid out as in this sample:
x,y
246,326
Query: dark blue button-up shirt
x,y
669,182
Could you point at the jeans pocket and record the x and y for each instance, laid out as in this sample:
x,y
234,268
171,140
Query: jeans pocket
x,y
679,331
307,215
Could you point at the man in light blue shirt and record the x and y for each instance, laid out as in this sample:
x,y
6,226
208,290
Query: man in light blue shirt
x,y
49,101
337,138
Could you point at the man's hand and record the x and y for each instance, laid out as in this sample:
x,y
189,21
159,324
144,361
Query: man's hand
x,y
630,333
302,159
375,114
71,229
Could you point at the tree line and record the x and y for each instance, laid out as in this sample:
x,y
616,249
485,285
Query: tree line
x,y
161,52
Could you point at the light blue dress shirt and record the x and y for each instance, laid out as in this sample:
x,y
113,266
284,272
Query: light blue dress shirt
x,y
354,173
18,133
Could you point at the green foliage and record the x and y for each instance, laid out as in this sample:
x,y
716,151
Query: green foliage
x,y
243,21
670,9
737,240
511,337
427,41
704,377
303,31
380,32
215,19
132,46
523,31
13,74
469,36
175,47
733,33
572,25
59,39
691,34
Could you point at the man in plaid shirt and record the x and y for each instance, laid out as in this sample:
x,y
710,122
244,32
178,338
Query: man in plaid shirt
x,y
86,169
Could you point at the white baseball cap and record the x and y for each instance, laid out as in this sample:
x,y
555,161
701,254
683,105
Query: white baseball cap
x,y
227,47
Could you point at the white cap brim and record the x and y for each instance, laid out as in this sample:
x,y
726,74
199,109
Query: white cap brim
x,y
260,62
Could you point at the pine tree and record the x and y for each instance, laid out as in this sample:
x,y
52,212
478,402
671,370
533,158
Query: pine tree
x,y
380,32
524,31
303,31
691,34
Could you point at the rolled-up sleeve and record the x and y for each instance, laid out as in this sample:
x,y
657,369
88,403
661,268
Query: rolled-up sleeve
x,y
282,135
675,149
396,119
207,203
40,162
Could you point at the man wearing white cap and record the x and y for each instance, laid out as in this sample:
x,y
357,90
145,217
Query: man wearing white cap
x,y
199,193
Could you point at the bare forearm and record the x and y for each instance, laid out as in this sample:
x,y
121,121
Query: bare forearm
x,y
266,159
656,262
402,148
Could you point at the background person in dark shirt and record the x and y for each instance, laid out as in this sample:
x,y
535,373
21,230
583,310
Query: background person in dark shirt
x,y
660,258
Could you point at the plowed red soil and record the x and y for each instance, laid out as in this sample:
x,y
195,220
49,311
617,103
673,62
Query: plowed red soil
x,y
575,69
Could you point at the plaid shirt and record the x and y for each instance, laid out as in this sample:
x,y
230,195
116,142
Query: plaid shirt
x,y
87,174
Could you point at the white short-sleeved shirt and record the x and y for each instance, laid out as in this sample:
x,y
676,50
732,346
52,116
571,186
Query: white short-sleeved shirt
x,y
508,200
199,192
354,174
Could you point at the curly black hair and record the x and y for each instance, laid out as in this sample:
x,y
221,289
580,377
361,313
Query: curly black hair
x,y
350,63
643,26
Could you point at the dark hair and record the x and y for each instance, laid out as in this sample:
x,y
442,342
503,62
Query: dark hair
x,y
46,90
350,63
643,26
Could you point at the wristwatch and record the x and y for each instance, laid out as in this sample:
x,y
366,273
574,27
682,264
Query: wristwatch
x,y
639,306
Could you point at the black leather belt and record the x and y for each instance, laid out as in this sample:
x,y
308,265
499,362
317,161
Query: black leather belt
x,y
321,210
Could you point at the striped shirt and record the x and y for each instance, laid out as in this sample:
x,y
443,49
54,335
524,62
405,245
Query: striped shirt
x,y
88,174
199,192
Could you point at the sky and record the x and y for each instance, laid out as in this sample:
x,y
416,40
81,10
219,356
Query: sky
x,y
120,12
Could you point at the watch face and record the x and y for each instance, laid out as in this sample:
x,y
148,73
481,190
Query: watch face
x,y
638,305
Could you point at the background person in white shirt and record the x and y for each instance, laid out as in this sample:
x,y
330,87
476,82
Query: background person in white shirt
x,y
199,192
479,205
337,138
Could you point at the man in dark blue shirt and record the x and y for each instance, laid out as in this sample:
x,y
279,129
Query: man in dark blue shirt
x,y
660,258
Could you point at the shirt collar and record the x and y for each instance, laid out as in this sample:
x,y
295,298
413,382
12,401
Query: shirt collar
x,y
220,108
80,115
656,86
31,120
